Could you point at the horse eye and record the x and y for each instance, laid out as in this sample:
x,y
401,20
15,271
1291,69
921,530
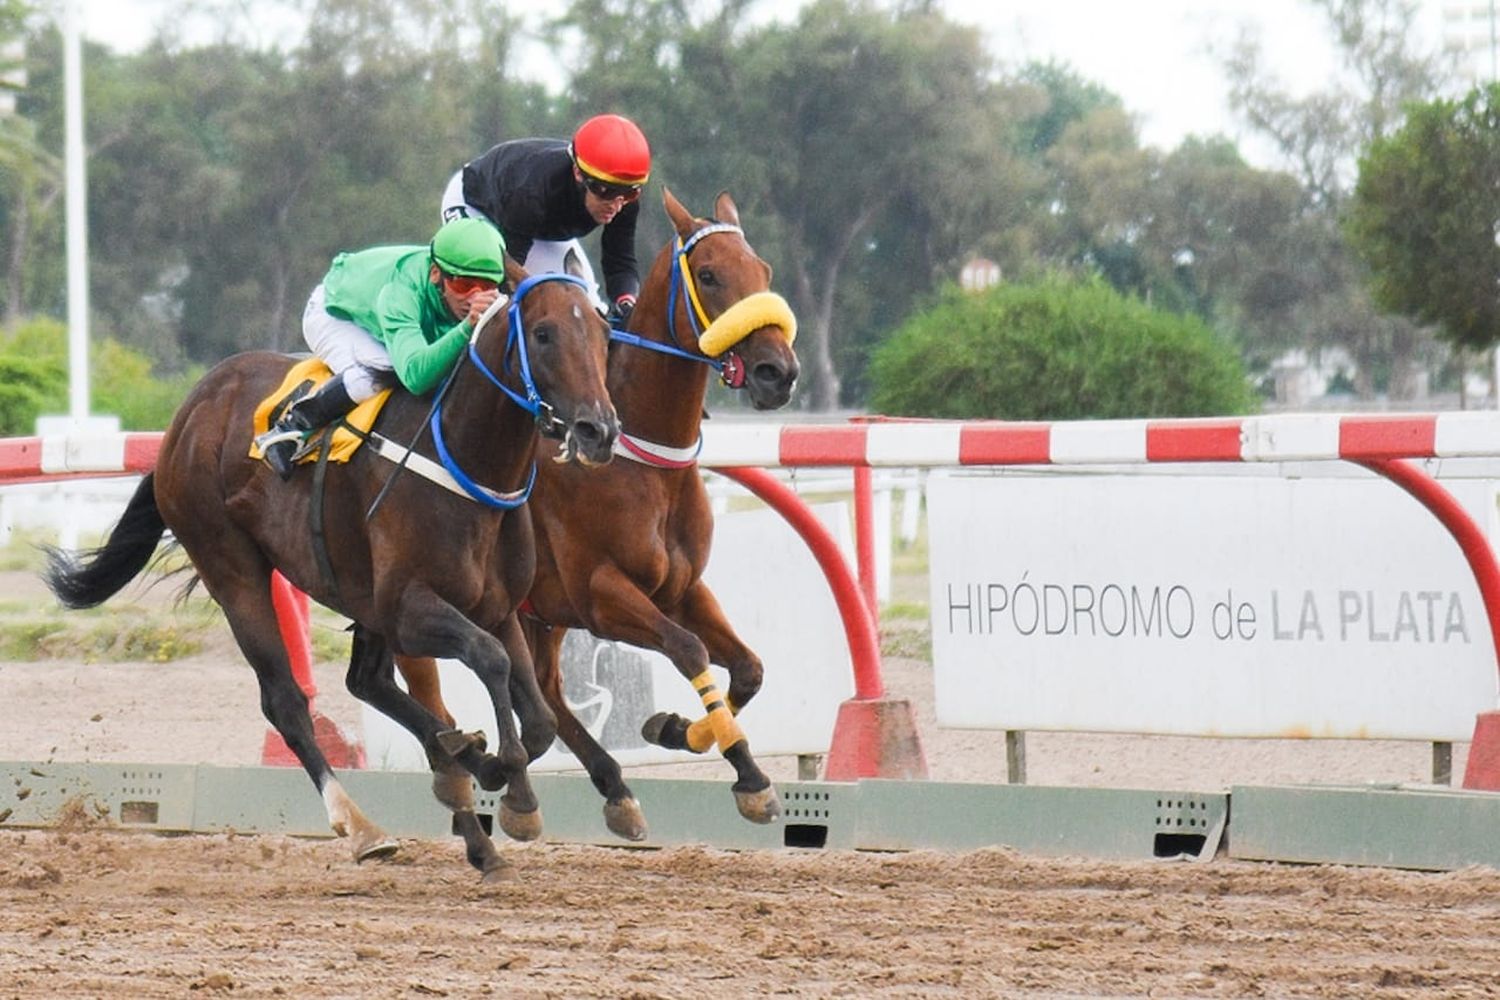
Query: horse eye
x,y
706,277
542,333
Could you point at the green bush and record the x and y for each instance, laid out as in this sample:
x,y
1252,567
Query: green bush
x,y
1055,350
34,380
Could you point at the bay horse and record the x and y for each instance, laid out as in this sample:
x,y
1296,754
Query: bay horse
x,y
621,551
428,552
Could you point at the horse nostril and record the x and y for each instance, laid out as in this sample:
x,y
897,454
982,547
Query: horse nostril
x,y
769,374
593,433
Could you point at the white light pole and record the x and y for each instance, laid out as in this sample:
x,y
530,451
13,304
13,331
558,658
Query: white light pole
x,y
78,423
77,216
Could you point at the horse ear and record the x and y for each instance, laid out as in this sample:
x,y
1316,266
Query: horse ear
x,y
572,263
682,219
514,275
725,209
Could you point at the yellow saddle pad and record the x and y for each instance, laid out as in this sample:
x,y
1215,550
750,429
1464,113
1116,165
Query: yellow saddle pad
x,y
345,441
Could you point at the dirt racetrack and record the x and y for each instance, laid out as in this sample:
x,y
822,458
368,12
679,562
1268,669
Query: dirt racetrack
x,y
86,911
106,914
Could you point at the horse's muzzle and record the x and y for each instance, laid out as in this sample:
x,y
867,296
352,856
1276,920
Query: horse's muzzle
x,y
770,383
590,440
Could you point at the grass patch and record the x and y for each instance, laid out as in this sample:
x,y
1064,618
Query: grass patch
x,y
123,635
904,611
906,641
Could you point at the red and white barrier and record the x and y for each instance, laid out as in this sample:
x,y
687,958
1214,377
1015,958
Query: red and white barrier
x,y
937,443
947,443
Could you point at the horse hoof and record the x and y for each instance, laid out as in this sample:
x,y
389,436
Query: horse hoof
x,y
488,862
381,847
625,819
763,806
667,730
496,873
454,788
520,825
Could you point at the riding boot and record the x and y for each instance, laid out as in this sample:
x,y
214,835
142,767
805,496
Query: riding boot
x,y
279,444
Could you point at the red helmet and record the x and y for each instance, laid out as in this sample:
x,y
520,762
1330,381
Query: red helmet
x,y
612,149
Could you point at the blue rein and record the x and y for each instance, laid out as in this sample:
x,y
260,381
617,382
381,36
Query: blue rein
x,y
531,401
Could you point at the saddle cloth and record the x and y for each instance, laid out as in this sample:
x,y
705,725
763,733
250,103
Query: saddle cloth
x,y
311,373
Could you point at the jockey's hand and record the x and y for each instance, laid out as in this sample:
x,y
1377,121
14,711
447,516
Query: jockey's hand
x,y
478,303
619,313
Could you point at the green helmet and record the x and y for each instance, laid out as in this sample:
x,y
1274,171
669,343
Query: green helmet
x,y
470,247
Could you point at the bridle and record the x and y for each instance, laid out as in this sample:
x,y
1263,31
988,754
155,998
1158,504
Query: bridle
x,y
731,371
712,338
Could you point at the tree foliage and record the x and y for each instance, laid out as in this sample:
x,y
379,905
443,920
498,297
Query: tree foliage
x,y
873,146
1424,217
1320,136
34,380
1055,350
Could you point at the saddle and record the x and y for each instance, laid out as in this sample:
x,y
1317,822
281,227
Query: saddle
x,y
348,433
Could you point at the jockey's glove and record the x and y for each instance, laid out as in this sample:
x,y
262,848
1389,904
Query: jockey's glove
x,y
619,313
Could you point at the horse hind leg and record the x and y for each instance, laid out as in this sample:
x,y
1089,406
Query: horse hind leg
x,y
252,618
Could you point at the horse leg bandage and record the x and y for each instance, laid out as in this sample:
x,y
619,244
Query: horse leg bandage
x,y
719,726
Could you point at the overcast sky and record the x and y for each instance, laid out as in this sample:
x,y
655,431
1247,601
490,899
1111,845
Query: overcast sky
x,y
1156,54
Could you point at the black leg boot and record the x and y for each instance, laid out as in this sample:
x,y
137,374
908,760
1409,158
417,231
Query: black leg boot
x,y
279,444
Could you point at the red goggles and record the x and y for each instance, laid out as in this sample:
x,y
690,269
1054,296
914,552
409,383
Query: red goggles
x,y
605,191
463,284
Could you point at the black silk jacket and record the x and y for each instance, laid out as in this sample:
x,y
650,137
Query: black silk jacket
x,y
526,188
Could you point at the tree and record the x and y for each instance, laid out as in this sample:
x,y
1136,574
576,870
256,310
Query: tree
x,y
1320,137
855,111
31,178
1424,217
1056,350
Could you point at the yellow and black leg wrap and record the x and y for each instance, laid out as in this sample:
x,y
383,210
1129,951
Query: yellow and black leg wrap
x,y
719,726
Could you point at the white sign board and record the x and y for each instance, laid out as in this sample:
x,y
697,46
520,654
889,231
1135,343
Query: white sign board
x,y
1205,605
779,603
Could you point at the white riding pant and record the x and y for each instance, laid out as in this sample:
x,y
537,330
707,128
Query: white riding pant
x,y
345,347
545,256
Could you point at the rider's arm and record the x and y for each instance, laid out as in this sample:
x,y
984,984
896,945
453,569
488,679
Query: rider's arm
x,y
419,365
617,250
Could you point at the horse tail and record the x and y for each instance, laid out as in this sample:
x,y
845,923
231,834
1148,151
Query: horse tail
x,y
86,579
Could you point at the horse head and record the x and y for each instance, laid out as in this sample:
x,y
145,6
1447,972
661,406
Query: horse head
x,y
745,327
553,361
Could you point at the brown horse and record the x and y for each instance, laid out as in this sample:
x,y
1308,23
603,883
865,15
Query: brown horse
x,y
428,553
621,552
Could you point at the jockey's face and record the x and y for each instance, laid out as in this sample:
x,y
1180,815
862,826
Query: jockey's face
x,y
458,291
604,201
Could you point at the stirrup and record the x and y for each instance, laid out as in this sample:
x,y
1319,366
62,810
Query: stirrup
x,y
276,435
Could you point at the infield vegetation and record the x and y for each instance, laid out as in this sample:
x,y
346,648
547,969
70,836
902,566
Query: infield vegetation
x,y
1059,349
149,622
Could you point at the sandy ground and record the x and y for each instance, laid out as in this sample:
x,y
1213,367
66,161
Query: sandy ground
x,y
90,912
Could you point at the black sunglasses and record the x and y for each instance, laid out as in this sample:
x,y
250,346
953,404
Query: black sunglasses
x,y
605,191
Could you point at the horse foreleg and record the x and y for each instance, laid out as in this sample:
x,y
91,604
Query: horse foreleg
x,y
370,679
623,612
538,721
431,626
701,615
622,813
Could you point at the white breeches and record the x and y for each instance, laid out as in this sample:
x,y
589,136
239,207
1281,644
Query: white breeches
x,y
345,347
